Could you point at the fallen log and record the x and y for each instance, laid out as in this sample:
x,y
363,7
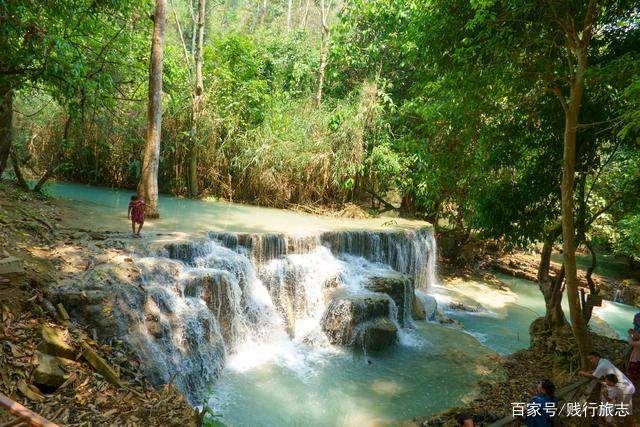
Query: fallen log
x,y
100,365
21,412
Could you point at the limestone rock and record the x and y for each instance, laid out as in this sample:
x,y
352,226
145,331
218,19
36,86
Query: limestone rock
x,y
11,266
430,306
417,310
360,321
398,287
377,335
49,371
460,306
54,343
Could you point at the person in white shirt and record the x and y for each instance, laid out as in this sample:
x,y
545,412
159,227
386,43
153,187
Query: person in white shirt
x,y
622,391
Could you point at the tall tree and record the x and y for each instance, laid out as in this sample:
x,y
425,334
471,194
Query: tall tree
x,y
196,100
527,65
63,48
577,46
324,47
148,186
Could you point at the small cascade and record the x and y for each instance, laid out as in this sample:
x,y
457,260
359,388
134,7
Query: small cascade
x,y
617,296
238,298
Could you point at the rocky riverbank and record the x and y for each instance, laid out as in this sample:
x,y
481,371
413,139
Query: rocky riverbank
x,y
48,363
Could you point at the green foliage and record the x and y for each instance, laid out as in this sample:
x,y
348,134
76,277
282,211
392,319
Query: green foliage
x,y
446,105
628,243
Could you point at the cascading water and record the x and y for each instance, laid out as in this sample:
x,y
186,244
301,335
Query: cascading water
x,y
239,300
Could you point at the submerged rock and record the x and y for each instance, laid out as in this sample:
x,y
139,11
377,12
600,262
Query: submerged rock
x,y
459,306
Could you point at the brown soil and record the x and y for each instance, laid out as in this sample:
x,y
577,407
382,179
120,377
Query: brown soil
x,y
29,230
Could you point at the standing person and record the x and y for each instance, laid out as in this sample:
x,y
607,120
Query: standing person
x,y
636,322
633,370
136,214
545,400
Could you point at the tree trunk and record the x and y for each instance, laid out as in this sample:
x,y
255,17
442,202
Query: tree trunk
x,y
263,12
407,206
196,108
148,186
588,301
6,125
22,183
324,51
568,227
303,23
551,288
289,15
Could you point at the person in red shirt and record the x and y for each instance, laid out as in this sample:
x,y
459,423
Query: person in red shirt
x,y
136,214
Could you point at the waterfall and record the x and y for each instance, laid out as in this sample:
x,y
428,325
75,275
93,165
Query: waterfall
x,y
238,299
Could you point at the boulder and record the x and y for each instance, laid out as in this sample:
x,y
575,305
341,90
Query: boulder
x,y
425,306
54,343
377,335
417,310
398,287
49,371
360,321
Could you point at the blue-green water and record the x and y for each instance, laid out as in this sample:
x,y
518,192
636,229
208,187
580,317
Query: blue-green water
x,y
434,368
104,208
439,369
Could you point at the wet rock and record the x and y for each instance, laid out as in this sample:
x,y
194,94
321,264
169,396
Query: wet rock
x,y
418,311
398,287
348,320
49,371
459,306
182,251
377,335
54,343
430,307
217,291
156,327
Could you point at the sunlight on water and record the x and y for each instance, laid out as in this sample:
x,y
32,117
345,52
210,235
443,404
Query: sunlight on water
x,y
503,323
